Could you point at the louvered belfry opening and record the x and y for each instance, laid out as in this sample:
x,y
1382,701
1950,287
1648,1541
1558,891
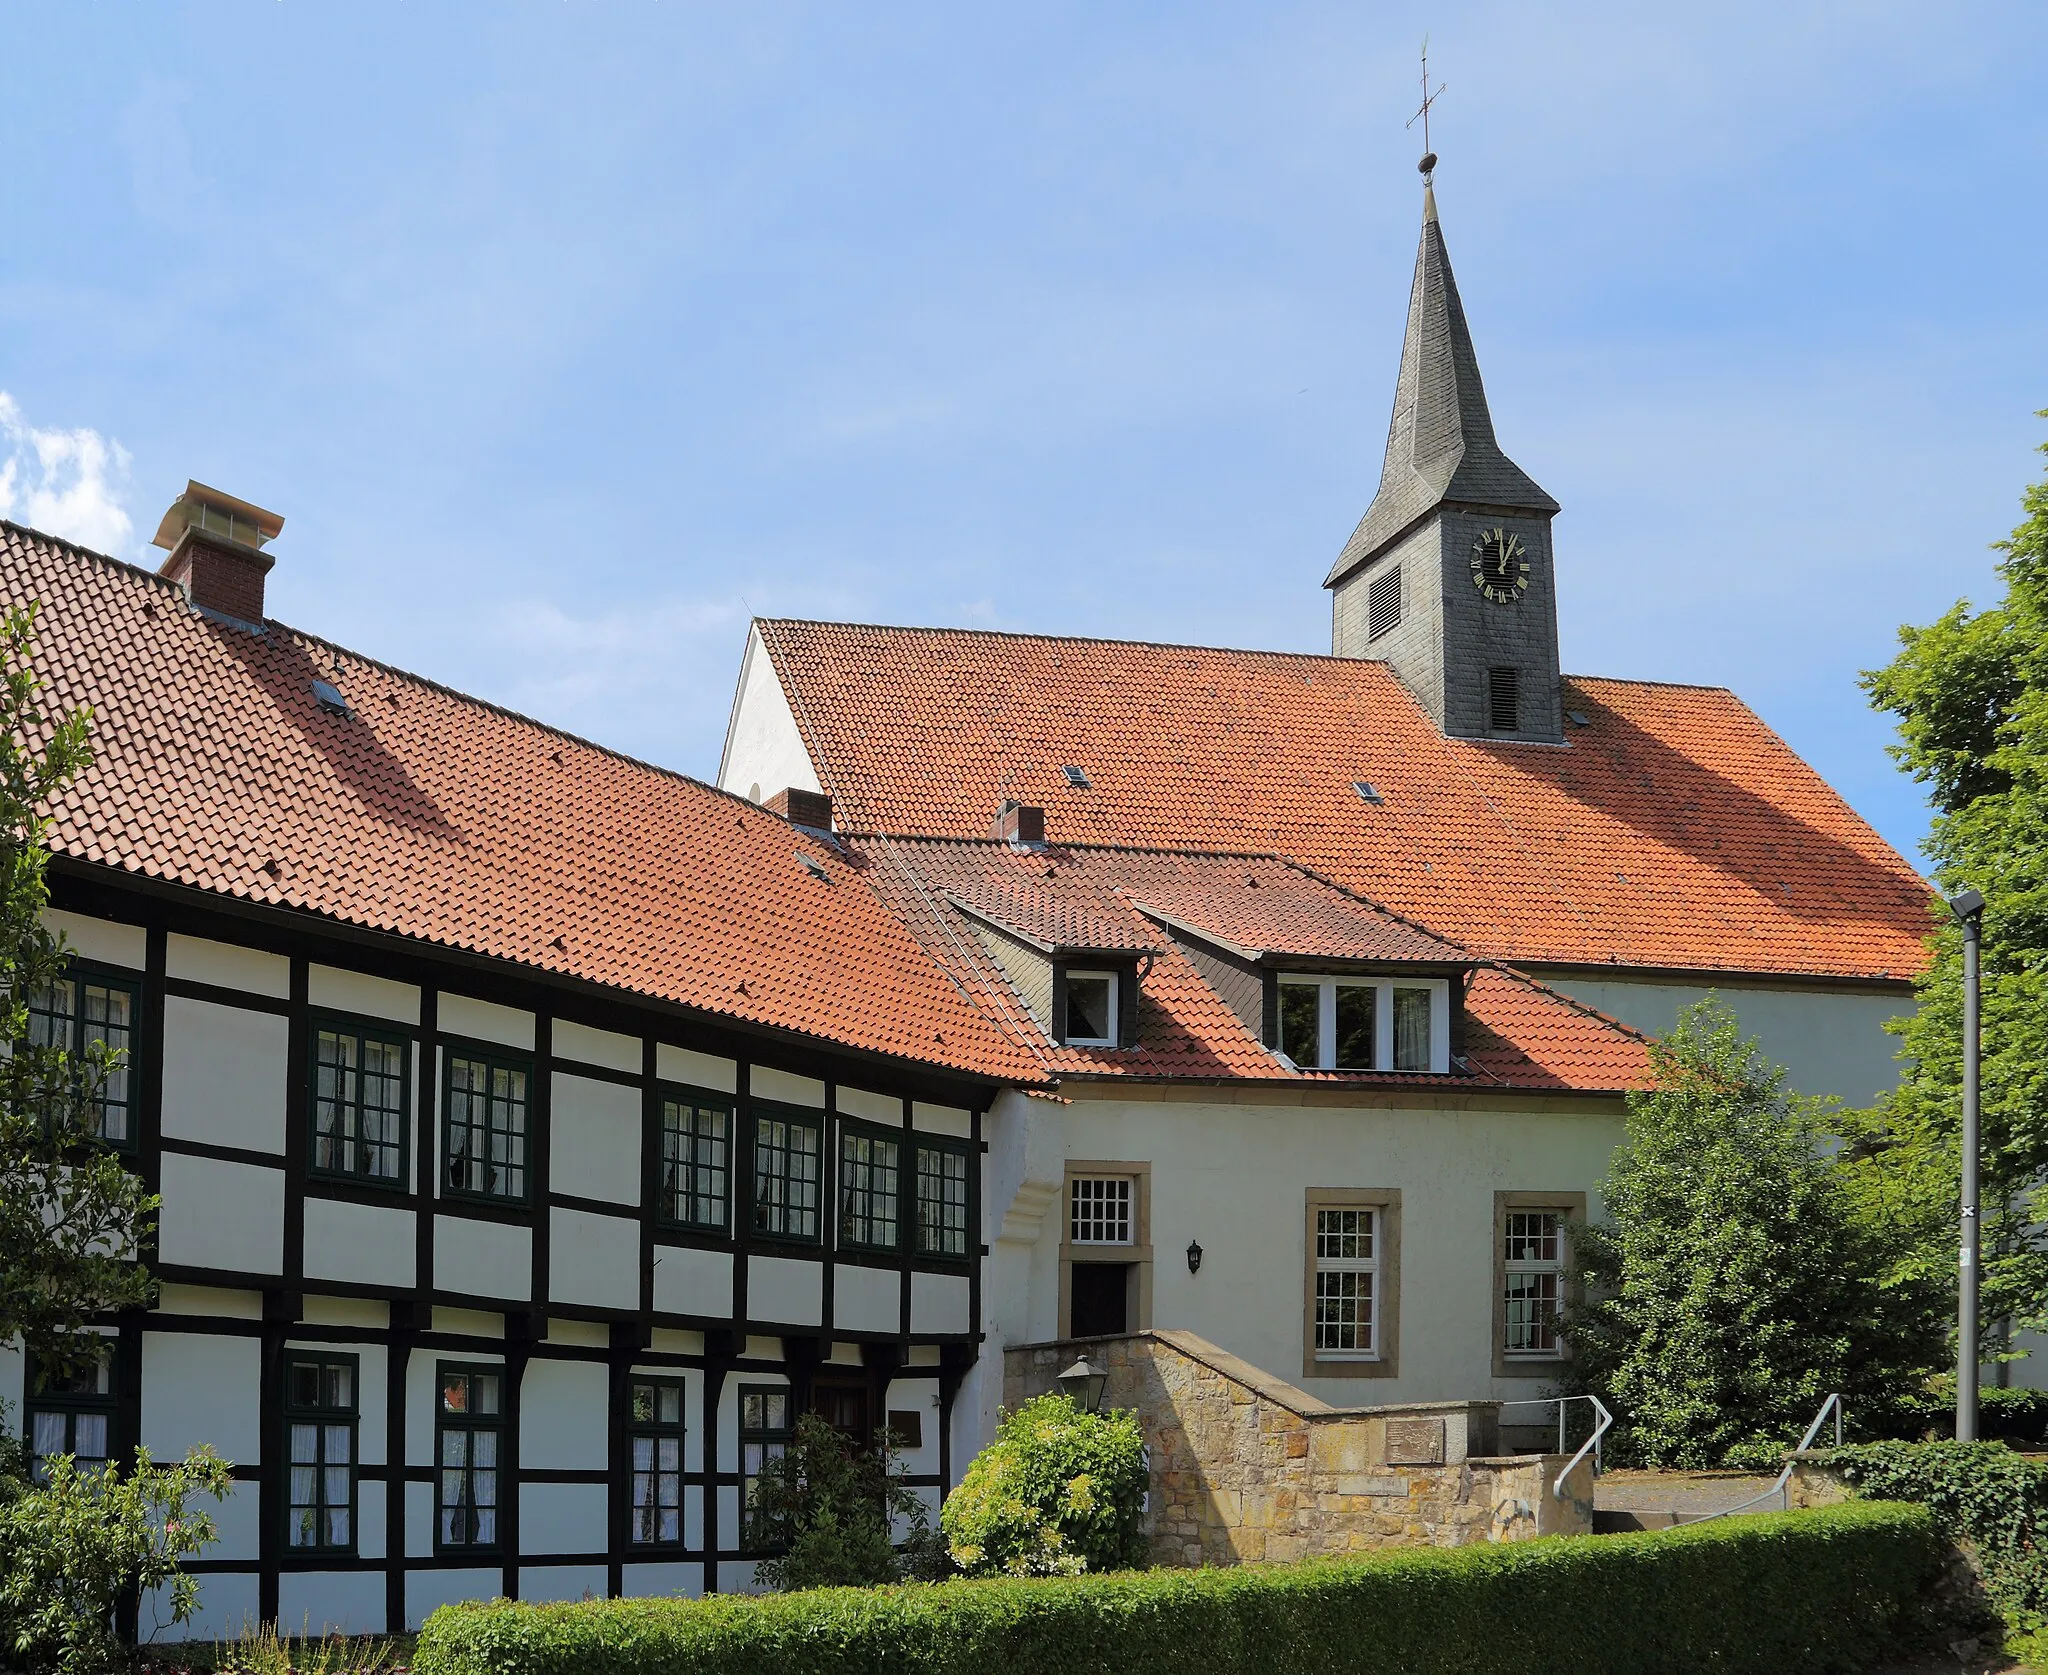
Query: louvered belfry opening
x,y
1503,700
1383,602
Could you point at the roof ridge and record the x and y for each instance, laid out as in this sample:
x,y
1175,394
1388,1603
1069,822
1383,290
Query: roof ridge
x,y
1066,639
1678,685
334,647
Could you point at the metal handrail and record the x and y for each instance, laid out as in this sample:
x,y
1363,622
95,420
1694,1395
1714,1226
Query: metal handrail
x,y
1832,1404
1603,1422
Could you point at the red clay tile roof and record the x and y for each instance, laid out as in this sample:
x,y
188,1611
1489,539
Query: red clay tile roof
x,y
1674,831
433,816
1520,1034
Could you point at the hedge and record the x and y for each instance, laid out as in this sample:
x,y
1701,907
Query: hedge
x,y
1814,1590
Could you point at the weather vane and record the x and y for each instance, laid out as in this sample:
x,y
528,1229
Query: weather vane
x,y
1428,163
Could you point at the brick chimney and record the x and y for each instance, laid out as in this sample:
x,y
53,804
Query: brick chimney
x,y
1019,825
802,808
216,547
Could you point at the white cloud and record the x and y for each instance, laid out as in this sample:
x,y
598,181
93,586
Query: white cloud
x,y
64,482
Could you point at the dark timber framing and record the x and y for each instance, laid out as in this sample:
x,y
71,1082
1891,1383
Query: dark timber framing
x,y
279,1310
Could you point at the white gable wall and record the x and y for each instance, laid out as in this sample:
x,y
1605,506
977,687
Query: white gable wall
x,y
762,745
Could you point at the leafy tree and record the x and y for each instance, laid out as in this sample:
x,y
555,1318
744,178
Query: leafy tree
x,y
71,1548
1733,1286
1057,1492
71,1217
830,1505
1970,694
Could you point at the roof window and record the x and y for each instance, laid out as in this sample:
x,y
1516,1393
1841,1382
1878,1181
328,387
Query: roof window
x,y
1076,778
329,697
812,865
1578,718
1369,791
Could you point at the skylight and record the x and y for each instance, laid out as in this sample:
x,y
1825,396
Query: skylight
x,y
812,865
1369,791
328,696
1579,718
1076,778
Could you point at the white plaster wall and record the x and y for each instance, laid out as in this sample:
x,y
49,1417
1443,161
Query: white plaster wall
x,y
346,1601
1829,1043
221,1215
225,1074
427,1590
562,1518
785,1290
227,1605
762,744
696,1070
562,1417
482,1258
13,1378
593,1259
597,1046
1234,1177
736,1576
197,1388
942,1119
921,1396
939,1303
370,1520
692,1281
482,1020
370,1244
681,1579
866,1299
105,940
768,1083
199,960
596,1151
355,991
875,1107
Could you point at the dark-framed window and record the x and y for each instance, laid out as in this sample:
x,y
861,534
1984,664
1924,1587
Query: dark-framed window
x,y
654,1440
70,1413
766,1423
469,1435
320,1412
696,1159
484,1124
870,1188
89,1006
788,1166
942,1199
361,1101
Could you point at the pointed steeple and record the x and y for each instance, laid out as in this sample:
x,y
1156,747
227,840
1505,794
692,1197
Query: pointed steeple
x,y
1440,446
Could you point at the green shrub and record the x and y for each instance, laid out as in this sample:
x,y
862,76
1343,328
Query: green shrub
x,y
1979,1492
826,1506
1057,1492
2019,1417
1812,1591
72,1547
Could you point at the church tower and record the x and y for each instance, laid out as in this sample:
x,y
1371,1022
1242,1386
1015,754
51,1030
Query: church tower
x,y
1448,576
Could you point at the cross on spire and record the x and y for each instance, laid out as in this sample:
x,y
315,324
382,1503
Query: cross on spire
x,y
1428,163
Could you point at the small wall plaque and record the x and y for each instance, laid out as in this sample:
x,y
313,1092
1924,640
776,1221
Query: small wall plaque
x,y
1415,1442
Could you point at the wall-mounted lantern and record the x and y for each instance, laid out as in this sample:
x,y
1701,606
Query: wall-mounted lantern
x,y
1194,1256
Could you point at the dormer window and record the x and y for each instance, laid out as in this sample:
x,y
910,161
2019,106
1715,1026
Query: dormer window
x,y
1091,1009
1365,1023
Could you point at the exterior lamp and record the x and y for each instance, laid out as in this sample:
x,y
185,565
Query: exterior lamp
x,y
1194,1256
1082,1383
1968,907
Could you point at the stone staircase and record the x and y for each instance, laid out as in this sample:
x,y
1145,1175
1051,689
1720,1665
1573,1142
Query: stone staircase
x,y
1656,1500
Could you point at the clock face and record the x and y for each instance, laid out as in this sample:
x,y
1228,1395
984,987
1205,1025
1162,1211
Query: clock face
x,y
1500,566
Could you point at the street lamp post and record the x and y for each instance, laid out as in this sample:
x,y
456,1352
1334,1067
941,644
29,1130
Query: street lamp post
x,y
1968,907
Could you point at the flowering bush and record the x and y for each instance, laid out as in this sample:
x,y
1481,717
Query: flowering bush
x,y
1057,1492
71,1547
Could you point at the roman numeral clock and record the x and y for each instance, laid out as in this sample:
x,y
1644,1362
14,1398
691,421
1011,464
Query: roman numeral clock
x,y
1500,566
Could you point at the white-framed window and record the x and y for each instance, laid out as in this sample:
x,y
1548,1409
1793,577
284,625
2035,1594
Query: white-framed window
x,y
1366,1023
1091,1009
1347,1283
1099,1210
1532,1267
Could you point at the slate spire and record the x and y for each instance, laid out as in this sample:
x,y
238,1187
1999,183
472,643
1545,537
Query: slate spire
x,y
1440,445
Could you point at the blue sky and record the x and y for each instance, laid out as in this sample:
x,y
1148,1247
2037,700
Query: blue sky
x,y
567,336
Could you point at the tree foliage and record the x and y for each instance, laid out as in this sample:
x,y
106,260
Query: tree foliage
x,y
1057,1492
1733,1286
71,1217
1970,695
73,1547
829,1507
